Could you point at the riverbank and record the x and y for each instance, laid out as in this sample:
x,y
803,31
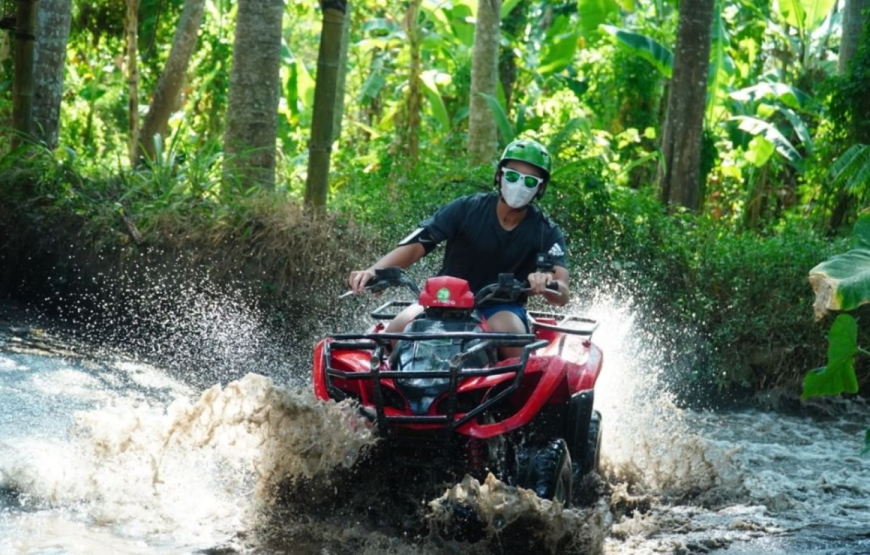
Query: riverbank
x,y
732,309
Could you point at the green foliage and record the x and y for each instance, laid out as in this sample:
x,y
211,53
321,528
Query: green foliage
x,y
839,375
595,12
843,281
646,47
779,151
758,128
852,170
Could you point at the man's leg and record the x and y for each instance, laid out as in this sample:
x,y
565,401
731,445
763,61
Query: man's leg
x,y
506,321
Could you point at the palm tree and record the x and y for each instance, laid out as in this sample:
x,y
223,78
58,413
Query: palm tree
x,y
252,110
482,131
680,171
49,57
166,94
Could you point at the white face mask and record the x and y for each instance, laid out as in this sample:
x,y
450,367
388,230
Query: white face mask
x,y
517,195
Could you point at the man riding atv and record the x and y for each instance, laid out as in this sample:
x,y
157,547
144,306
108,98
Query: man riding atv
x,y
489,234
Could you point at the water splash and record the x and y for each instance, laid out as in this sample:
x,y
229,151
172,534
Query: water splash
x,y
519,521
194,471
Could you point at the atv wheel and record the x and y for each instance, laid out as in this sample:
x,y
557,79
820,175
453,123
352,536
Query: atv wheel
x,y
592,455
547,471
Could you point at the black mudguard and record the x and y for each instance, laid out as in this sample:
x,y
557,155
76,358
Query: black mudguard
x,y
577,433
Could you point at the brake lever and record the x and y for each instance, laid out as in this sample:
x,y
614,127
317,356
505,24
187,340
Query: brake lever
x,y
374,287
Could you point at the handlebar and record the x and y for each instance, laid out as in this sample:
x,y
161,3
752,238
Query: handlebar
x,y
386,278
507,289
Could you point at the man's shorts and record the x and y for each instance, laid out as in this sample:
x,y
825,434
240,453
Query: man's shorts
x,y
517,309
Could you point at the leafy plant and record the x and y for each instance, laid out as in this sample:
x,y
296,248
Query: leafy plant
x,y
646,47
852,170
842,283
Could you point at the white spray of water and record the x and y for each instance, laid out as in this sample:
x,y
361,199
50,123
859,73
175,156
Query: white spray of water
x,y
647,441
194,472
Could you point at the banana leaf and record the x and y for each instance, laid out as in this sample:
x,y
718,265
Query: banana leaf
x,y
646,47
843,281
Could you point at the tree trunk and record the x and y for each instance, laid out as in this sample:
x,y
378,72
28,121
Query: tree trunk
x,y
342,75
482,131
53,23
323,119
407,144
167,93
132,35
854,16
22,87
252,109
680,172
514,24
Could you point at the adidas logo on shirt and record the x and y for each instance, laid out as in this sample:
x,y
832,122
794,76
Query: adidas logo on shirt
x,y
556,250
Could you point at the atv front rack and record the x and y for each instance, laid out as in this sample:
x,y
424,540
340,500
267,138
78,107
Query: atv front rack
x,y
378,342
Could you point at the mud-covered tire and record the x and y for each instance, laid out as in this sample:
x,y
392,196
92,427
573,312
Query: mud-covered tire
x,y
547,470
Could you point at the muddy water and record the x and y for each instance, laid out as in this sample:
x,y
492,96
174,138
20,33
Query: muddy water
x,y
102,453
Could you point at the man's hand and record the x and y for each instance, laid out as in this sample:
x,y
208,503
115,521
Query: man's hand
x,y
358,280
538,282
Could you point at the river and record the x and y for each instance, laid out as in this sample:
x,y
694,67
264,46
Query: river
x,y
102,452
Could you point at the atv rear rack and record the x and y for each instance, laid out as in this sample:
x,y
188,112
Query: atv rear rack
x,y
378,342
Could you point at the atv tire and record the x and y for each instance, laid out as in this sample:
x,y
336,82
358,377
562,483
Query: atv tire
x,y
547,471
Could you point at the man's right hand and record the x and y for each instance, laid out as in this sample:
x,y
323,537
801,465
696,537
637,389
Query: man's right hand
x,y
358,280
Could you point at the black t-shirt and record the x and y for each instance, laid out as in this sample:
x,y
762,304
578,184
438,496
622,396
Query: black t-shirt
x,y
479,248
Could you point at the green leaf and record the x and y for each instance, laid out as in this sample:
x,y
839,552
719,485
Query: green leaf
x,y
815,12
800,127
721,65
305,84
593,13
559,53
853,168
843,281
861,232
839,375
577,86
507,7
760,150
439,110
504,126
564,134
646,47
372,86
755,126
793,14
788,95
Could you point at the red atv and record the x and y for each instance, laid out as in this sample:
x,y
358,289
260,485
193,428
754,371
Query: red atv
x,y
443,402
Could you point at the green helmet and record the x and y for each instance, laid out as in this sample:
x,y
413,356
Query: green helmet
x,y
529,151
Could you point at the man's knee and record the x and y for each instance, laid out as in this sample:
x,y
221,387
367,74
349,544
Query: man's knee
x,y
506,322
402,319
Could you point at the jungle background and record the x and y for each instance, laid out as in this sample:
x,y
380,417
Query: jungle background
x,y
709,153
